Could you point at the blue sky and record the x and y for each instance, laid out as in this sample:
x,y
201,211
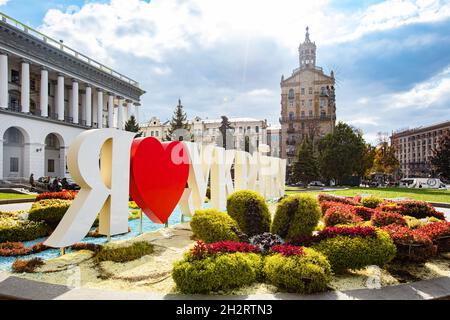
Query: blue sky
x,y
391,58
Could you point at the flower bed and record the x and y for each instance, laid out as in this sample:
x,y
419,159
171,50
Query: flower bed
x,y
411,245
385,218
344,200
63,195
439,233
341,214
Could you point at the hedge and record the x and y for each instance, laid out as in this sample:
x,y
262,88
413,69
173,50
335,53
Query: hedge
x,y
211,225
217,272
355,253
51,211
308,273
371,202
296,216
14,230
342,214
250,211
126,253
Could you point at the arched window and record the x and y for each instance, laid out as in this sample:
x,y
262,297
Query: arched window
x,y
291,116
291,95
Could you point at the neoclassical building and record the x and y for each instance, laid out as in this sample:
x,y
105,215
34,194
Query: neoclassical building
x,y
50,93
247,133
308,105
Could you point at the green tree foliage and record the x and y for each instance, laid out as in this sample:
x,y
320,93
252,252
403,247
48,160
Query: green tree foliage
x,y
306,166
341,152
178,122
385,161
441,158
366,164
133,126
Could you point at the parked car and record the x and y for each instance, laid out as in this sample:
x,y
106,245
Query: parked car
x,y
69,184
316,184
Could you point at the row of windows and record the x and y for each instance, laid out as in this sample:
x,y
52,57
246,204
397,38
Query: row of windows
x,y
323,103
302,114
291,94
14,165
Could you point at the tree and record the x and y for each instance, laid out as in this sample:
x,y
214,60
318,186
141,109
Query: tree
x,y
225,127
306,166
178,122
441,157
341,152
133,126
366,164
385,161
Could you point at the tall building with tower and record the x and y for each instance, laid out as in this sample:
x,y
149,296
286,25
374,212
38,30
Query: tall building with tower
x,y
308,105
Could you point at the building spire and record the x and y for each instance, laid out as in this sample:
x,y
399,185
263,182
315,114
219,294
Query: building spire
x,y
307,35
307,52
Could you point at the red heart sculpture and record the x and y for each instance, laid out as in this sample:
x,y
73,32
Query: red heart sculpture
x,y
159,172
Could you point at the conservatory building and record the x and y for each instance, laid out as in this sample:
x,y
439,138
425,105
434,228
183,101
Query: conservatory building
x,y
49,94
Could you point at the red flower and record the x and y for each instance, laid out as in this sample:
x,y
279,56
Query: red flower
x,y
64,195
435,230
202,250
404,235
385,218
358,231
341,214
288,250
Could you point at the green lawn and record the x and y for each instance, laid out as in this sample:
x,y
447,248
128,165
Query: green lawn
x,y
416,194
11,196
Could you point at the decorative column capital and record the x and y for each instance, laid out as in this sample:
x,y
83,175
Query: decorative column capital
x,y
22,61
44,68
74,80
137,104
99,90
60,75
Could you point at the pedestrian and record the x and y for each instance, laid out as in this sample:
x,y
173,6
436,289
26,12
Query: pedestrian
x,y
32,182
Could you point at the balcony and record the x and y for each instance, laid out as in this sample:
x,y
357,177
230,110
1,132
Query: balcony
x,y
306,118
15,109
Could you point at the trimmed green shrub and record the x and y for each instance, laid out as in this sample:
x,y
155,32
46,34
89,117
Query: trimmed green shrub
x,y
217,272
131,252
14,230
51,211
371,202
250,211
296,216
211,225
308,273
355,253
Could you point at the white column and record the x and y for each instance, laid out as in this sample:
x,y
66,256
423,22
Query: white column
x,y
129,109
44,93
120,114
60,104
25,87
110,110
3,81
99,109
88,114
75,106
136,111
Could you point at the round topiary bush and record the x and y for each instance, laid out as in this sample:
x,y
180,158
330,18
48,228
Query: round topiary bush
x,y
250,211
307,273
296,216
371,202
357,252
342,214
216,272
211,225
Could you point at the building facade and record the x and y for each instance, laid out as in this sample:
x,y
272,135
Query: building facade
x,y
274,140
246,133
49,94
414,148
308,104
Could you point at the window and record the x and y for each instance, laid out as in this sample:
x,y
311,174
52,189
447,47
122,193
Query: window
x,y
303,103
14,136
310,90
51,141
303,114
310,103
291,95
291,116
303,90
152,134
15,78
291,103
322,102
156,133
310,113
14,164
257,129
51,165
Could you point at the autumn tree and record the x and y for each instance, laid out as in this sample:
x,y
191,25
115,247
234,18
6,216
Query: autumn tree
x,y
306,166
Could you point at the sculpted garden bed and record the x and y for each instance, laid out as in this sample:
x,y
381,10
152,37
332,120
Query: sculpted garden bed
x,y
301,245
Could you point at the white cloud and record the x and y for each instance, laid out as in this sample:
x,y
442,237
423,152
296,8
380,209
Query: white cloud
x,y
364,120
423,94
3,2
